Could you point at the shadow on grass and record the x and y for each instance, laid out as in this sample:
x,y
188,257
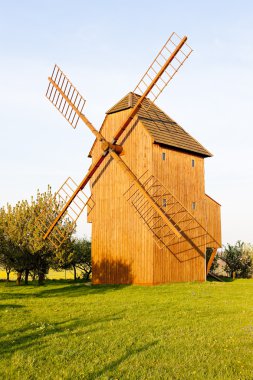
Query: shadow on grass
x,y
36,333
75,290
14,296
223,279
59,288
30,335
114,364
10,306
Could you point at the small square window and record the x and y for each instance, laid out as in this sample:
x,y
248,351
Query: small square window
x,y
163,156
164,202
193,163
193,205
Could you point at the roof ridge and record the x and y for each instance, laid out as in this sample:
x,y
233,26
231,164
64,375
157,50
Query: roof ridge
x,y
163,129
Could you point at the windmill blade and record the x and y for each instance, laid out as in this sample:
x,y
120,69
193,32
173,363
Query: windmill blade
x,y
72,197
172,55
67,100
174,222
168,61
68,219
61,92
194,237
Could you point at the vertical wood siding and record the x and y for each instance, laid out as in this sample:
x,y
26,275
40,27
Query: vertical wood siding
x,y
123,249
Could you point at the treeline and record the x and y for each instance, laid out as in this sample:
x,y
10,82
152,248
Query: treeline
x,y
23,249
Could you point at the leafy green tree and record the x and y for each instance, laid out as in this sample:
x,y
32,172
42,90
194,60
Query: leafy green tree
x,y
82,257
6,254
246,270
28,250
75,254
238,259
16,222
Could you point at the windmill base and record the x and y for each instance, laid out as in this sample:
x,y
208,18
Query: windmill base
x,y
164,269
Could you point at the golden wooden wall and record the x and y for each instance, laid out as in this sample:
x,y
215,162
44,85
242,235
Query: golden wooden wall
x,y
123,250
122,247
187,184
213,217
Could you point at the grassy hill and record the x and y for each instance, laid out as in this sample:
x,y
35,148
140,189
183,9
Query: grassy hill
x,y
178,331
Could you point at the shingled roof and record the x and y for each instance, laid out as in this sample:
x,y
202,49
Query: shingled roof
x,y
161,127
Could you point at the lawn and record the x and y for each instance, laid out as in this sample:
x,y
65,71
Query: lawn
x,y
65,330
52,275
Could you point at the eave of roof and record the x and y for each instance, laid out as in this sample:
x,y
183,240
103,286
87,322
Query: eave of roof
x,y
208,196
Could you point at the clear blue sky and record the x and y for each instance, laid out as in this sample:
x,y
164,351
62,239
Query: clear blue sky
x,y
105,47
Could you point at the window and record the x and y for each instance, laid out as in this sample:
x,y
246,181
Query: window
x,y
163,156
164,202
193,205
193,163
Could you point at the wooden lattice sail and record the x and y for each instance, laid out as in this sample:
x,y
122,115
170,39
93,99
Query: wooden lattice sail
x,y
157,67
60,87
68,221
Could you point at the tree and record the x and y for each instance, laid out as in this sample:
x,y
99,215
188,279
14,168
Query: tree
x,y
15,223
27,250
246,269
82,257
238,259
75,254
6,254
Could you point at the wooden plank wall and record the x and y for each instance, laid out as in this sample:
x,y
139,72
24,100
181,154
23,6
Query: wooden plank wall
x,y
187,183
122,247
213,213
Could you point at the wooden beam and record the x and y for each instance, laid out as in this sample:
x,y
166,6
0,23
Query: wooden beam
x,y
131,175
209,264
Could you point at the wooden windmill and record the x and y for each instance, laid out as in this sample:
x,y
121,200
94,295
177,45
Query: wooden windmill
x,y
151,219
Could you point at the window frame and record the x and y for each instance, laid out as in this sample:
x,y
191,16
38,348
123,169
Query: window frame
x,y
164,202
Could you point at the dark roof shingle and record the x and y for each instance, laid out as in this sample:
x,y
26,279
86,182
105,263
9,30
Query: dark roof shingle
x,y
161,127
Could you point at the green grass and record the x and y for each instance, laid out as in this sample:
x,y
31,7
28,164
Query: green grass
x,y
179,331
52,275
